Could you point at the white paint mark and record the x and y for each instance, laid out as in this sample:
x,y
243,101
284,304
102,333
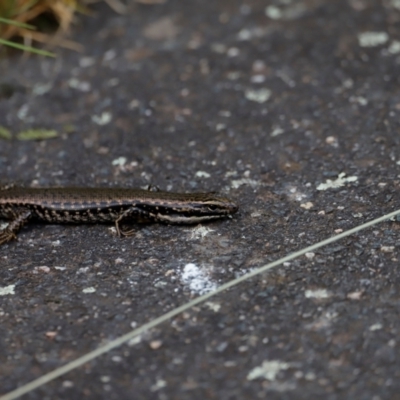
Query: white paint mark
x,y
317,294
372,39
268,370
202,174
197,280
89,290
337,183
7,290
258,95
310,255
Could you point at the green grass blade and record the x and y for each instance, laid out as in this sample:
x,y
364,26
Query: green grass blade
x,y
5,133
26,48
16,23
37,134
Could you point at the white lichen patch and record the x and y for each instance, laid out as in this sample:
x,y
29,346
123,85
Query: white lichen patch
x,y
82,86
277,131
119,162
7,290
160,384
245,181
395,4
39,89
202,174
387,249
355,295
332,141
42,269
273,12
268,370
200,232
213,306
337,183
376,327
89,290
372,39
197,279
323,322
317,294
290,12
394,47
294,193
258,95
103,119
362,101
134,341
307,206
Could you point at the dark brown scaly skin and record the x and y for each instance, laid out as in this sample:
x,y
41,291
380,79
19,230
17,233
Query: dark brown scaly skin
x,y
108,205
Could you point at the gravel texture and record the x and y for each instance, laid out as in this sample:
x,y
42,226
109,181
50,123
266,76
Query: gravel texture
x,y
291,108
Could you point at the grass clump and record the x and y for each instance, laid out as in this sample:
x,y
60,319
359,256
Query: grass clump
x,y
23,22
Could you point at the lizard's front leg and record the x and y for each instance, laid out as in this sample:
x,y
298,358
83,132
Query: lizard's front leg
x,y
134,214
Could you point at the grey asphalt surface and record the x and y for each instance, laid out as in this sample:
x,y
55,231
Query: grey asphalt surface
x,y
291,108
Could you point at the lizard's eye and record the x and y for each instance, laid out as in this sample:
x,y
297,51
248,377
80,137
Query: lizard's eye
x,y
212,207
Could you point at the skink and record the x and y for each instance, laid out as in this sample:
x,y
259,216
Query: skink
x,y
106,205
